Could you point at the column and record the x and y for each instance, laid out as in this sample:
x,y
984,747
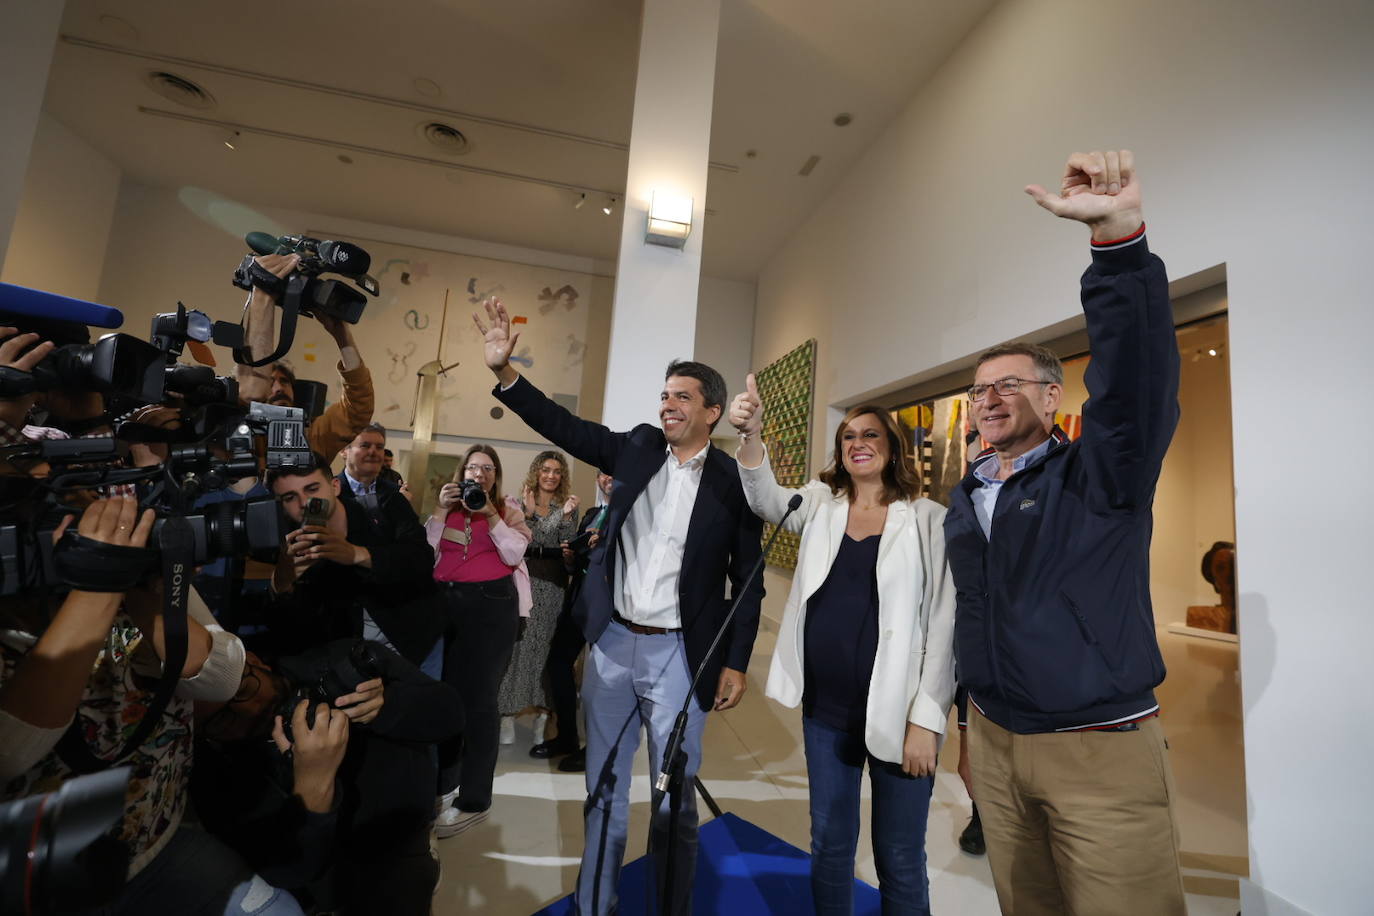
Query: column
x,y
654,315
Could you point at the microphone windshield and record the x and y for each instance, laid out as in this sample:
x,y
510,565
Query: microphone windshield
x,y
261,242
794,503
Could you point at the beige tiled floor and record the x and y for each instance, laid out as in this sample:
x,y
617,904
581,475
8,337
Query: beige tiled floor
x,y
526,855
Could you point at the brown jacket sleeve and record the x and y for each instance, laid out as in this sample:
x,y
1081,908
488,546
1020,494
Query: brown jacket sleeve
x,y
346,417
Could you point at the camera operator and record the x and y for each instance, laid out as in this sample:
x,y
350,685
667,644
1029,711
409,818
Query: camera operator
x,y
77,682
73,412
334,429
371,826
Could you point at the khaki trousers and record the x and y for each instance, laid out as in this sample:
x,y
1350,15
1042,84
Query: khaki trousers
x,y
1078,822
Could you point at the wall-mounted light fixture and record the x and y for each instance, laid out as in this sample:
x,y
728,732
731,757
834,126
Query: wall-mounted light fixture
x,y
608,206
670,220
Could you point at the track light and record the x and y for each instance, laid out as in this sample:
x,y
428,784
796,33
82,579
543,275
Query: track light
x,y
609,206
581,199
231,139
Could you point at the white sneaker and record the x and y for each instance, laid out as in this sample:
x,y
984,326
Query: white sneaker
x,y
508,729
446,800
452,822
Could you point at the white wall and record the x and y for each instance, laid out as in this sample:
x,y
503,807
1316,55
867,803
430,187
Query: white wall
x,y
63,222
28,33
725,330
1247,119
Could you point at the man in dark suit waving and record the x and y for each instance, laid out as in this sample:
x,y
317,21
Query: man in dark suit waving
x,y
678,527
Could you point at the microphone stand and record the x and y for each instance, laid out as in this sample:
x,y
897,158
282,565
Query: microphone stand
x,y
670,777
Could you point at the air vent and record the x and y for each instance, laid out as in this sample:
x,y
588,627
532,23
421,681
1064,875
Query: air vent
x,y
179,89
445,138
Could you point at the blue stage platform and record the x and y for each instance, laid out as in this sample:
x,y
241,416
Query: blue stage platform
x,y
742,870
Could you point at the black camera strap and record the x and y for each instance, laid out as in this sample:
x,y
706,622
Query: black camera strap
x,y
177,544
286,333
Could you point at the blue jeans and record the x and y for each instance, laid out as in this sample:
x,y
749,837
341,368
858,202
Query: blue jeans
x,y
632,682
197,874
901,803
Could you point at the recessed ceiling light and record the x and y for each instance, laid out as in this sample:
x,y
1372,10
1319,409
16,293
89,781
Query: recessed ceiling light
x,y
444,137
427,88
751,154
842,119
345,158
178,89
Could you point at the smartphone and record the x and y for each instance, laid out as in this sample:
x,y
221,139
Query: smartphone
x,y
582,543
316,512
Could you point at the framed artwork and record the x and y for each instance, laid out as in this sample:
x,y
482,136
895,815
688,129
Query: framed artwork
x,y
786,387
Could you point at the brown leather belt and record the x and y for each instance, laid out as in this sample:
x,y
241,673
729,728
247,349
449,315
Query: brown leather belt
x,y
640,628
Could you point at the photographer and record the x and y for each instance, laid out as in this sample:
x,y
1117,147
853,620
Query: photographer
x,y
359,574
479,539
371,826
78,683
345,418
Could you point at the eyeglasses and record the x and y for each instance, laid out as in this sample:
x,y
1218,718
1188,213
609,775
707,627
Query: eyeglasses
x,y
480,468
1005,387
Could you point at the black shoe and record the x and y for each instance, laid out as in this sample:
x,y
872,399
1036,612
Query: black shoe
x,y
551,748
971,840
575,762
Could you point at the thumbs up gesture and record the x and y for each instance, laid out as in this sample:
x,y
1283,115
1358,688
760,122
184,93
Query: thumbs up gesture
x,y
746,410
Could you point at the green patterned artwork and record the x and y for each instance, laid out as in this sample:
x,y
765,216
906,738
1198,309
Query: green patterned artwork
x,y
786,387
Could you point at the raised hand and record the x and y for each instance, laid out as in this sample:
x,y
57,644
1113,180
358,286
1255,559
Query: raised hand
x,y
570,506
497,342
1099,189
746,410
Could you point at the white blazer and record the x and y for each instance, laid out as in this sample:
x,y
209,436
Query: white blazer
x,y
913,671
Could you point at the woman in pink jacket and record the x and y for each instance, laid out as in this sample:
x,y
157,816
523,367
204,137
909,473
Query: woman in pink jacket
x,y
478,551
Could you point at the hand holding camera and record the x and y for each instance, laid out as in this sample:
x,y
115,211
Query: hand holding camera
x,y
316,753
469,494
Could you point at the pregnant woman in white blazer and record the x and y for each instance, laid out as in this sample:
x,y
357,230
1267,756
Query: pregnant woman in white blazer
x,y
866,648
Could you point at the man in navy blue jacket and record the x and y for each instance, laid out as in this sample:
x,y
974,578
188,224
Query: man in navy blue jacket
x,y
677,529
1049,542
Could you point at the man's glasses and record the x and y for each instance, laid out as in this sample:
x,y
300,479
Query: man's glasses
x,y
1005,387
480,468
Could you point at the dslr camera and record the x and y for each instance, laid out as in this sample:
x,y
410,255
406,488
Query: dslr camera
x,y
325,674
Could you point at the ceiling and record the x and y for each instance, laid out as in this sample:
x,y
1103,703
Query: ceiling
x,y
541,90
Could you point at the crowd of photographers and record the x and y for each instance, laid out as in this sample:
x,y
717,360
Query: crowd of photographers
x,y
296,686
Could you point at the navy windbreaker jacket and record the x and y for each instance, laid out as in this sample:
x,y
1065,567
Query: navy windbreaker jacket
x,y
1054,628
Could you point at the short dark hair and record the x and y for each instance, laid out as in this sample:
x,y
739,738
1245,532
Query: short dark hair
x,y
713,390
306,467
373,427
1046,362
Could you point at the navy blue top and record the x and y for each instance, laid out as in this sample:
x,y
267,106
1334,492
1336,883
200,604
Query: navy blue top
x,y
841,638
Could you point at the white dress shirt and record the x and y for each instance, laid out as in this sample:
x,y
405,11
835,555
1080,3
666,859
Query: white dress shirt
x,y
653,541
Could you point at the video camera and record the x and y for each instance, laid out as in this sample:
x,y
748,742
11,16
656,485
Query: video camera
x,y
214,444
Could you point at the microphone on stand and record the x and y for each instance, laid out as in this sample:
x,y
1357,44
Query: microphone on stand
x,y
673,758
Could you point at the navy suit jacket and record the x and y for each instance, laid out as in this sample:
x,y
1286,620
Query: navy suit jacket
x,y
723,536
